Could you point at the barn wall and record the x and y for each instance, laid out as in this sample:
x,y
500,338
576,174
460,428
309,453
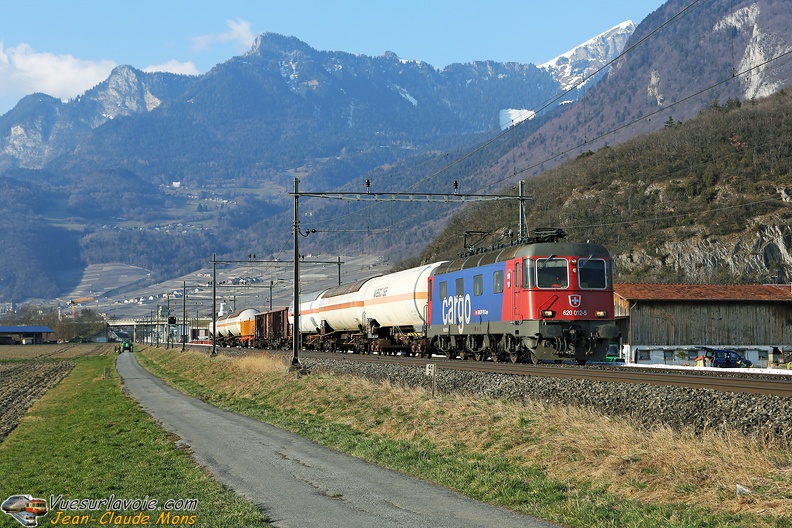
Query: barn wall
x,y
621,306
711,323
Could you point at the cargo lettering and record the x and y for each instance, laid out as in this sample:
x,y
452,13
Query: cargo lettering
x,y
456,310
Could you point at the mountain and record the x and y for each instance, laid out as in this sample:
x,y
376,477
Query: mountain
x,y
207,169
40,128
680,59
294,89
704,201
579,64
282,101
160,170
678,160
576,71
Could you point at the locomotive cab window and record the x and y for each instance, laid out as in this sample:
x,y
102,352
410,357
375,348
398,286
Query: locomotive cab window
x,y
529,272
443,289
593,274
497,282
552,273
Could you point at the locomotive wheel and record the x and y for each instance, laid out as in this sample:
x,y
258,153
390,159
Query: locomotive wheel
x,y
451,349
442,345
499,350
511,346
490,349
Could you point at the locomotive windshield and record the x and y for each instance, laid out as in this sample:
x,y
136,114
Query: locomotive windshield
x,y
552,273
593,274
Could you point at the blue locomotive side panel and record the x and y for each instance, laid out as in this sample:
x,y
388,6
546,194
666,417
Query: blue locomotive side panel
x,y
468,296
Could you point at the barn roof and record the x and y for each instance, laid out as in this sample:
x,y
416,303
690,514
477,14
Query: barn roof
x,y
26,330
704,292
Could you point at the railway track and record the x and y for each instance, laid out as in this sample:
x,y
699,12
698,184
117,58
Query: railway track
x,y
738,381
747,401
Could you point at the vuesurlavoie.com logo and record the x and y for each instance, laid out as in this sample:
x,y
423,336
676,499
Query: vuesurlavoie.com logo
x,y
105,511
25,509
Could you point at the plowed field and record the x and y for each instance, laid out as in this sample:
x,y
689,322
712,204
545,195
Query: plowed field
x,y
28,372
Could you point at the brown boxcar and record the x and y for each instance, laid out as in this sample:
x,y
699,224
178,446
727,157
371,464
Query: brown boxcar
x,y
273,330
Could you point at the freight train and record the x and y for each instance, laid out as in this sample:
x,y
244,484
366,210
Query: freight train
x,y
543,299
251,328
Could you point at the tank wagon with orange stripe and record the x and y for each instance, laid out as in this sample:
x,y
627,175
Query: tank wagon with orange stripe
x,y
384,314
237,329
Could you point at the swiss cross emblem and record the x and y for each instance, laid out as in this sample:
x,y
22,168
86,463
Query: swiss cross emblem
x,y
574,301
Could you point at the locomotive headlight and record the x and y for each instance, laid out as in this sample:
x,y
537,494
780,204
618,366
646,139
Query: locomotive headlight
x,y
601,313
548,313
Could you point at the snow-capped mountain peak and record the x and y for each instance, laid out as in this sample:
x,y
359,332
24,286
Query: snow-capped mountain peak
x,y
582,61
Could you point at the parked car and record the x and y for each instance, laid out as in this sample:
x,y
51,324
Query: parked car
x,y
613,355
725,358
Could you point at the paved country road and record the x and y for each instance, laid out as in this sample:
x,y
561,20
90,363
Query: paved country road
x,y
297,483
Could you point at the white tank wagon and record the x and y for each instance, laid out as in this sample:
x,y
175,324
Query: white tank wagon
x,y
383,314
398,299
237,328
309,304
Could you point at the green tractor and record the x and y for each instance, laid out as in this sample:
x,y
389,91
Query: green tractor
x,y
126,346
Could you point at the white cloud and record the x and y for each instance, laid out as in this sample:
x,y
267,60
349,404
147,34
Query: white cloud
x,y
24,71
173,66
238,31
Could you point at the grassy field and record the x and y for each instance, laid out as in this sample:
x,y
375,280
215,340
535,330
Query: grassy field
x,y
566,465
85,439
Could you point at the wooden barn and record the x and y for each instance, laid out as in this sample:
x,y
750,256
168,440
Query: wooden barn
x,y
669,323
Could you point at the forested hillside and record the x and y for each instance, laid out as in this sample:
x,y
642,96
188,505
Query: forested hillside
x,y
681,57
703,201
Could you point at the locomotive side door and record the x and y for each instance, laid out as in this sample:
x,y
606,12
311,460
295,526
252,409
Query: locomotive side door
x,y
517,308
428,306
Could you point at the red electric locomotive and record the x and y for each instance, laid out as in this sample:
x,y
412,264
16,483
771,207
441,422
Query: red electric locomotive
x,y
542,299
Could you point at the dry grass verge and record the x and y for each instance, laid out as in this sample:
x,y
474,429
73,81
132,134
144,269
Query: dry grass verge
x,y
578,446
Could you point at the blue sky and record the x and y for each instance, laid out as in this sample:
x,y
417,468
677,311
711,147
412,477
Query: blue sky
x,y
64,47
